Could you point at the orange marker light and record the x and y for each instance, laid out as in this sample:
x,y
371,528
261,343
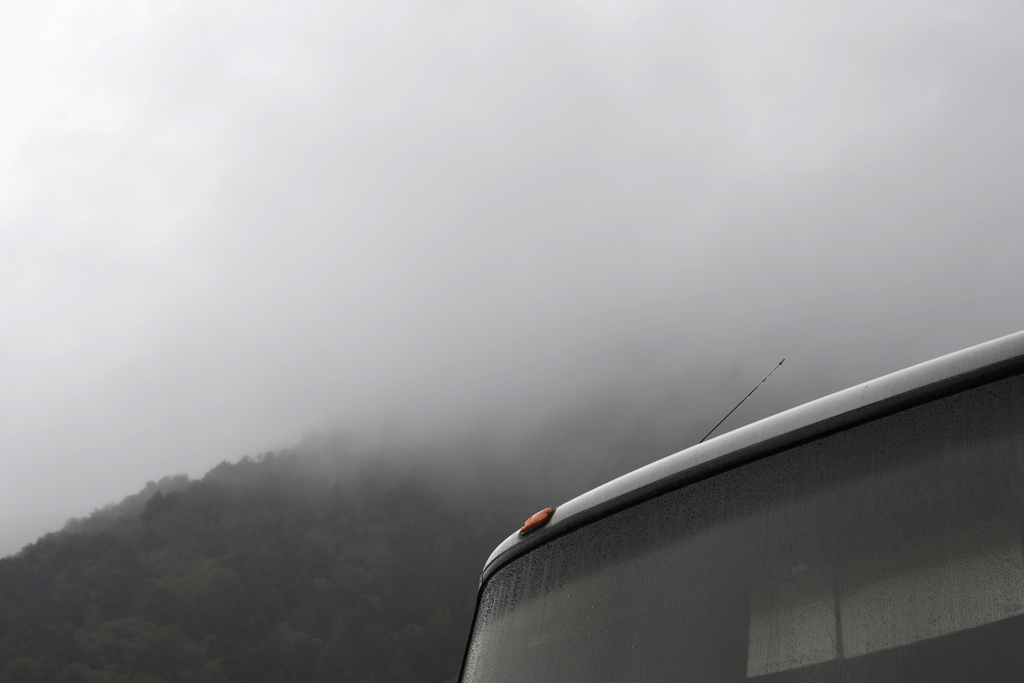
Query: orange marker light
x,y
537,521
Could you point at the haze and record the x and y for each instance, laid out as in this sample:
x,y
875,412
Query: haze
x,y
226,224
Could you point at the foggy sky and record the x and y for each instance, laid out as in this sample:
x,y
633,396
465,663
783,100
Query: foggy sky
x,y
225,224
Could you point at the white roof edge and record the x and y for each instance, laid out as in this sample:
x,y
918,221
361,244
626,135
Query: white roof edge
x,y
833,405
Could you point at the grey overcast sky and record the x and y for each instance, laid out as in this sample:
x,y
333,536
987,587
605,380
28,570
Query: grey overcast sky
x,y
224,224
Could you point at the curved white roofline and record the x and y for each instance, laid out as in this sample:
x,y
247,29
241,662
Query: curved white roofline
x,y
856,398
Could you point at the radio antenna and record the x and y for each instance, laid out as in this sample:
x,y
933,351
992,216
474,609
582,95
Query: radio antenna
x,y
741,402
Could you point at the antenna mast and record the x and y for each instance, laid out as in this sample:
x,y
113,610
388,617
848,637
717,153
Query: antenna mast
x,y
744,399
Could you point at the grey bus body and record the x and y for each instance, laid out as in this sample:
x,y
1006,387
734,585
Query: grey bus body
x,y
872,534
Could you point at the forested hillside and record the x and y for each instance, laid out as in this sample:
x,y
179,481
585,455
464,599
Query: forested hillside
x,y
279,568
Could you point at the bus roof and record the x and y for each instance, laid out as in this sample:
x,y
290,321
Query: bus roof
x,y
914,385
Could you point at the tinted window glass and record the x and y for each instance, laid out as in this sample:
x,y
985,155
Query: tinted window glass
x,y
889,551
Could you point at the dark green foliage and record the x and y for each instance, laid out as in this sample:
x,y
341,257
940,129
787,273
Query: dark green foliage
x,y
129,507
280,569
